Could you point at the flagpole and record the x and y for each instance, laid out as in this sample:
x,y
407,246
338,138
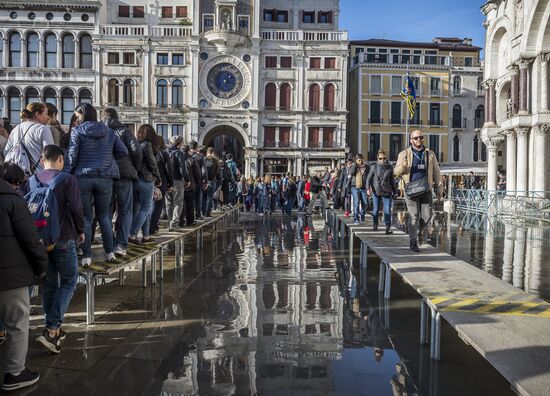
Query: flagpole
x,y
408,116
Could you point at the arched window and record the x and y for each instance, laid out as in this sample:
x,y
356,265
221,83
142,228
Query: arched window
x,y
112,92
33,48
177,93
14,105
457,85
483,152
85,96
329,97
31,96
128,92
50,56
456,149
162,93
67,105
284,100
68,51
270,101
50,96
457,116
314,97
85,51
475,149
15,50
479,117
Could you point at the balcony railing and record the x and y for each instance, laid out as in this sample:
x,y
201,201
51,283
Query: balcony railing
x,y
303,35
397,121
146,30
375,91
376,121
435,92
436,122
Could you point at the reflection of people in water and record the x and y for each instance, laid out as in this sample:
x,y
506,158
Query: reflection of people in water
x,y
378,354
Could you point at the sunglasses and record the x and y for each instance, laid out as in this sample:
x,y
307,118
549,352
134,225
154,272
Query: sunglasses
x,y
381,158
418,137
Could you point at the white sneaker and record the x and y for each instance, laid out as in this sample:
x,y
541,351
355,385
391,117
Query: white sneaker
x,y
110,257
120,251
86,262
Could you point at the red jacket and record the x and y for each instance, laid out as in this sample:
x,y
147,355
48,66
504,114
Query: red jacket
x,y
307,190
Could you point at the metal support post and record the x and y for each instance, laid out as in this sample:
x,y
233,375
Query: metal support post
x,y
182,249
381,277
161,262
351,246
90,297
144,271
387,288
154,269
362,247
435,341
121,277
423,322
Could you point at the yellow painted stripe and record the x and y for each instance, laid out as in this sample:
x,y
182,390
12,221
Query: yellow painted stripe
x,y
518,308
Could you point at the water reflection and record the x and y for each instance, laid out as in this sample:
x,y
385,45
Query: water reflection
x,y
287,314
512,250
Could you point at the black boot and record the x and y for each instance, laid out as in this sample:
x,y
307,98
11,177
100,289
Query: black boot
x,y
375,226
414,246
388,230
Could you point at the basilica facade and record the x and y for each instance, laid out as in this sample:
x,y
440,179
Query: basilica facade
x,y
516,82
264,80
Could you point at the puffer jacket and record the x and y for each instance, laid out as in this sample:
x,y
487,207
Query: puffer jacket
x,y
93,149
148,170
24,256
127,165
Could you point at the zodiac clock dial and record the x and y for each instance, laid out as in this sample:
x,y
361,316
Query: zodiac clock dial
x,y
225,81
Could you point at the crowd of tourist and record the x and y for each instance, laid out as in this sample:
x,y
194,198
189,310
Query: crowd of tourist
x,y
57,186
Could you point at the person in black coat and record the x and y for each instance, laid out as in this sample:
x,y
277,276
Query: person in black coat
x,y
195,182
167,177
24,261
381,185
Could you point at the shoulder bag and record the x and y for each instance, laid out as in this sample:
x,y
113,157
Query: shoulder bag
x,y
420,186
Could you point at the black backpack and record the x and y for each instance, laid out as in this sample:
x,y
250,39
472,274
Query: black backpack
x,y
211,166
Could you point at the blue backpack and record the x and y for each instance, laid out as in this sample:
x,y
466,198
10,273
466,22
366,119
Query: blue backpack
x,y
44,209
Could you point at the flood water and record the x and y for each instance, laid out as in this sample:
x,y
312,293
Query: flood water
x,y
271,306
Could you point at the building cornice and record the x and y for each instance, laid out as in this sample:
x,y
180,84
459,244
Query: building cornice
x,y
59,5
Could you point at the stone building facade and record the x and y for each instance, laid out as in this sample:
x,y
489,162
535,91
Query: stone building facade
x,y
251,77
516,82
447,74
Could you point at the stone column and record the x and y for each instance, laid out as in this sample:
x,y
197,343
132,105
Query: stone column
x,y
59,49
23,52
519,258
514,89
492,102
523,86
508,256
41,53
511,161
523,157
6,54
492,144
543,83
541,132
77,54
487,104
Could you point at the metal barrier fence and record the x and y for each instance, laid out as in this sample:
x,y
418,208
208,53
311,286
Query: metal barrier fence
x,y
533,205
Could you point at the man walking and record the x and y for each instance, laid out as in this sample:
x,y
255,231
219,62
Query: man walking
x,y
317,193
233,173
199,159
175,199
417,164
211,163
123,188
62,273
192,168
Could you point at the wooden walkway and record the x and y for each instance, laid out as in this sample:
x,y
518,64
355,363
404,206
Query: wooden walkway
x,y
151,253
507,326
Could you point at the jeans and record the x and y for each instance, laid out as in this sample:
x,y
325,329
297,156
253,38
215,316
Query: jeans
x,y
14,315
376,208
212,185
95,193
198,200
420,212
123,192
174,203
262,198
156,212
60,283
143,205
289,204
359,197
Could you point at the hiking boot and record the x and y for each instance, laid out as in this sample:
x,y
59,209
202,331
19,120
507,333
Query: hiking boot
x,y
24,379
388,230
414,246
52,344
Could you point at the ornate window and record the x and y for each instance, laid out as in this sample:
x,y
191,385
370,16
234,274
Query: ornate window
x,y
85,96
33,47
177,93
162,93
31,96
112,92
14,105
456,149
457,85
67,105
475,149
68,51
1,50
128,88
50,96
86,51
457,116
314,97
479,117
15,50
284,100
50,43
270,102
330,93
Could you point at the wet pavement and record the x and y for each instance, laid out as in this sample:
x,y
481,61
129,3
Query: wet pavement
x,y
270,306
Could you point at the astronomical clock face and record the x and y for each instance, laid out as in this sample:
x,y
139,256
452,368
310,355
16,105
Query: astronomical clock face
x,y
225,81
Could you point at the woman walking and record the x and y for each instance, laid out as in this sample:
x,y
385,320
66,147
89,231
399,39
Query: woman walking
x,y
144,188
381,186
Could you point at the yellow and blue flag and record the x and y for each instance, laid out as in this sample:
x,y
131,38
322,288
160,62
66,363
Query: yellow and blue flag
x,y
409,95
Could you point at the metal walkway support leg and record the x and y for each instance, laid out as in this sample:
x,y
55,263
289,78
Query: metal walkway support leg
x,y
361,248
435,341
182,250
161,262
381,277
177,250
121,277
154,269
423,322
351,247
90,298
342,230
387,288
144,271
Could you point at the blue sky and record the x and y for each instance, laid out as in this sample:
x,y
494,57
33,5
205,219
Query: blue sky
x,y
419,20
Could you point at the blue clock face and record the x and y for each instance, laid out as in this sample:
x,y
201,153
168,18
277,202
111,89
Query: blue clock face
x,y
225,81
